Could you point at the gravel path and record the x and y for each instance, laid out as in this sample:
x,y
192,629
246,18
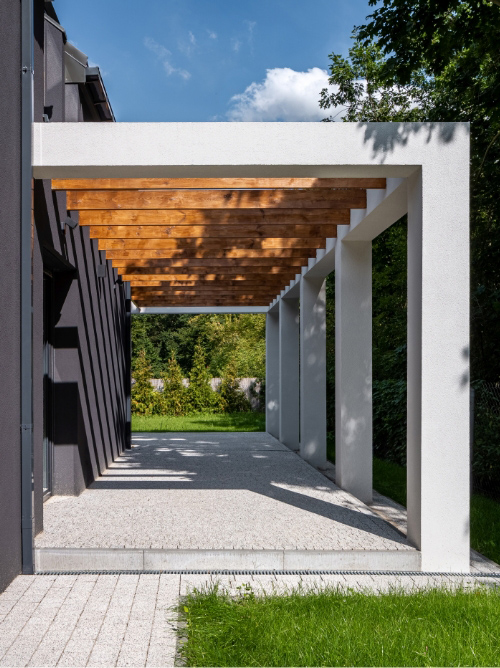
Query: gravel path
x,y
214,491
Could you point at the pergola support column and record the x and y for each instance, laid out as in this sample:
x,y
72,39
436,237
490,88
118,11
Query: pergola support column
x,y
313,370
289,373
438,368
272,373
353,367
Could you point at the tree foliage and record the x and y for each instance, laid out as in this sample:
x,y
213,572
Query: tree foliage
x,y
174,395
202,398
232,398
144,399
224,338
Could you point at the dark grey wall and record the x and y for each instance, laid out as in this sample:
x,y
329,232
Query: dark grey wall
x,y
10,212
89,331
90,374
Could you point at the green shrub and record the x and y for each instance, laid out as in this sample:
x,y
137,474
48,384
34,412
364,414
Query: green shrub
x,y
389,420
232,398
144,399
201,397
174,398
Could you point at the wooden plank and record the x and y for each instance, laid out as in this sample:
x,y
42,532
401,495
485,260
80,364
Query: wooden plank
x,y
260,270
192,283
225,183
212,231
210,254
209,244
271,263
193,292
215,217
216,199
263,278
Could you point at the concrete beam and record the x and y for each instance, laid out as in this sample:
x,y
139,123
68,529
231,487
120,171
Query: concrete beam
x,y
145,310
289,373
353,366
272,374
438,366
313,371
98,150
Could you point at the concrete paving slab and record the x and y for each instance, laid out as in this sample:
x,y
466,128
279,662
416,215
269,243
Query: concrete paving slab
x,y
215,491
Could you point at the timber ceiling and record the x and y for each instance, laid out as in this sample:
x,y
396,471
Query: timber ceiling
x,y
212,242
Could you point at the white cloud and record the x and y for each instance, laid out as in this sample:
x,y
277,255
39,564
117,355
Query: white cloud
x,y
284,95
250,25
235,44
192,38
164,56
212,34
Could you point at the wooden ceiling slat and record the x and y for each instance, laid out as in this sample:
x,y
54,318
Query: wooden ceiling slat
x,y
213,232
262,278
216,199
142,184
267,263
212,254
182,290
209,244
166,284
215,217
264,270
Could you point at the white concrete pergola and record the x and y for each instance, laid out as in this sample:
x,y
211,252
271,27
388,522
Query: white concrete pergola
x,y
427,171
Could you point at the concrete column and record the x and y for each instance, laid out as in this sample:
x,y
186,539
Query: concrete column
x,y
313,371
438,368
353,366
272,374
289,372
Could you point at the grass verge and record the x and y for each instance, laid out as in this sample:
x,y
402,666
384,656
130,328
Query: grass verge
x,y
332,628
201,422
390,479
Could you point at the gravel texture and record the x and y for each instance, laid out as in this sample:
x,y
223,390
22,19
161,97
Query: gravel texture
x,y
214,491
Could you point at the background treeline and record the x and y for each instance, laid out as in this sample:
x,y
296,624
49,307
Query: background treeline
x,y
199,348
416,60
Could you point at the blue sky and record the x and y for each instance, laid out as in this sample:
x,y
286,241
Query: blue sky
x,y
189,60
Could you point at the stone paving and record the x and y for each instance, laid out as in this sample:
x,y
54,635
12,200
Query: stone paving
x,y
214,491
130,620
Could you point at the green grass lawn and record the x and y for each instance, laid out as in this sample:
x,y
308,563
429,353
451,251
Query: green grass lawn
x,y
390,479
331,628
201,422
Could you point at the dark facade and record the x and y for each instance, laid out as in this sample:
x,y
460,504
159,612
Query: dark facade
x,y
80,321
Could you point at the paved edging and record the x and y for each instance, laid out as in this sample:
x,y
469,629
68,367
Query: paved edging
x,y
80,559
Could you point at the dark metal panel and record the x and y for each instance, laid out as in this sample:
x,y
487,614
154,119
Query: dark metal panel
x,y
10,272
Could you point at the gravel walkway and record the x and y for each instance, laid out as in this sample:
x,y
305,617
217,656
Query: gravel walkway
x,y
214,491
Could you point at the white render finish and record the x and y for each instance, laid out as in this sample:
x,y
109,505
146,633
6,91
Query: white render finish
x,y
145,310
429,162
353,366
272,374
98,150
313,371
438,365
289,373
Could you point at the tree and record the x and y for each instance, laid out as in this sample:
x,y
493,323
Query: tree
x,y
174,395
460,86
232,398
144,398
201,396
